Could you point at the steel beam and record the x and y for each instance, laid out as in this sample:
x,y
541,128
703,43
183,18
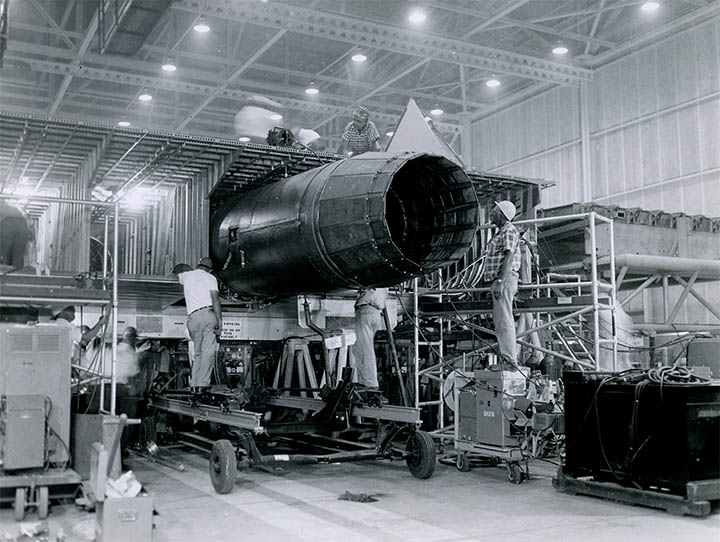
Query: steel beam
x,y
242,419
84,46
237,73
134,79
53,24
380,36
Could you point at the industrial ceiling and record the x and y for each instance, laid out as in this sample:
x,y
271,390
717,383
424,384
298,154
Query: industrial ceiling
x,y
91,60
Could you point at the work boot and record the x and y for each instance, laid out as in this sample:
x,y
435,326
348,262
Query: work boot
x,y
503,365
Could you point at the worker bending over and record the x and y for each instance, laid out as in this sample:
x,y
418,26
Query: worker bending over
x,y
368,321
204,321
361,134
502,263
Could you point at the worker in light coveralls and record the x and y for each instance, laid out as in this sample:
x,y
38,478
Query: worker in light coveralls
x,y
204,321
368,321
502,263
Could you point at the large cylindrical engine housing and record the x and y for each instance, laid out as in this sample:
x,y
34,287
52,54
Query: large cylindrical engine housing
x,y
371,220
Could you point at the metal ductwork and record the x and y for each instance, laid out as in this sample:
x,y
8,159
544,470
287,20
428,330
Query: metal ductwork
x,y
371,220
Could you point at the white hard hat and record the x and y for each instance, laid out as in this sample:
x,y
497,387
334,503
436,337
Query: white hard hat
x,y
507,208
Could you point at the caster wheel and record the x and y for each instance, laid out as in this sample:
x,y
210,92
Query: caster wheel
x,y
43,502
462,462
421,458
20,503
515,473
223,466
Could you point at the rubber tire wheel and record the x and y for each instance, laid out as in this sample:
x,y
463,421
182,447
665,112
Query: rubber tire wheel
x,y
223,466
514,473
43,502
421,461
462,462
20,503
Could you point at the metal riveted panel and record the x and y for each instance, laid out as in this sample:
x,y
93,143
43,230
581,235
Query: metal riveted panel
x,y
371,220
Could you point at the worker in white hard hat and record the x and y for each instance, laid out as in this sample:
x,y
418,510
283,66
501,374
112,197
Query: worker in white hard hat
x,y
502,263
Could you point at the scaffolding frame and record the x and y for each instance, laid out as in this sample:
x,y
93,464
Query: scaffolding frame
x,y
114,303
441,370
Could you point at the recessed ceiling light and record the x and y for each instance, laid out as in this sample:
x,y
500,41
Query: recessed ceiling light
x,y
169,66
123,124
390,133
492,83
201,26
649,7
244,139
359,58
311,91
349,153
560,50
417,17
276,116
437,111
145,97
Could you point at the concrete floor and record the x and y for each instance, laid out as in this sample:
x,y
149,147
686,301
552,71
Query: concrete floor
x,y
301,504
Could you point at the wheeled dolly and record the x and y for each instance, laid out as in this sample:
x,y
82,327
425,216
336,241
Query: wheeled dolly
x,y
336,412
226,459
515,461
32,489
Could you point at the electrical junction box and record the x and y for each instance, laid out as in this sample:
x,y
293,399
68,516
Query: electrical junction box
x,y
237,358
485,407
22,432
35,360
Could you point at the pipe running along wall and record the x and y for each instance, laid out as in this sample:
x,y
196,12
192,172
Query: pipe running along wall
x,y
371,220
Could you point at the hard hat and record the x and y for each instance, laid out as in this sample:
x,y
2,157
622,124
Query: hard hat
x,y
361,113
181,268
205,262
507,208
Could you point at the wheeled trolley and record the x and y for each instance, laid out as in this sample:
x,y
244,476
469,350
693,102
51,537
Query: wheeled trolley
x,y
515,460
316,421
33,489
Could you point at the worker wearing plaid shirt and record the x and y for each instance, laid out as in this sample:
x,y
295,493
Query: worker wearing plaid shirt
x,y
361,134
502,264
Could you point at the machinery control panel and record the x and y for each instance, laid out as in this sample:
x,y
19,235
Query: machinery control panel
x,y
236,357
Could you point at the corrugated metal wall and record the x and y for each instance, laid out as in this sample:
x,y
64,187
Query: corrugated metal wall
x,y
654,122
173,230
654,130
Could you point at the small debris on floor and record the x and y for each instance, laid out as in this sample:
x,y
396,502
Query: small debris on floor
x,y
357,497
85,529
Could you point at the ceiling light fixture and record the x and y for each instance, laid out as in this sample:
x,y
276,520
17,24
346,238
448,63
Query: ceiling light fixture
x,y
390,133
560,49
124,124
437,111
492,83
311,90
244,139
276,116
145,96
201,26
169,66
649,7
359,58
417,17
